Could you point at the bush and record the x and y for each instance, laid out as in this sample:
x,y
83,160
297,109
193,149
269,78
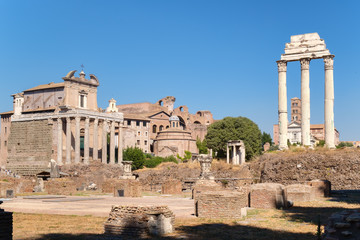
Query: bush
x,y
274,148
155,161
186,157
321,143
344,144
135,155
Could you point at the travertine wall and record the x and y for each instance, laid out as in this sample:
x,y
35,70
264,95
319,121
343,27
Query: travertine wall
x,y
221,204
30,143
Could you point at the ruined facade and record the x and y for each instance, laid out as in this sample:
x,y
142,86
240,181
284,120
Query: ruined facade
x,y
59,121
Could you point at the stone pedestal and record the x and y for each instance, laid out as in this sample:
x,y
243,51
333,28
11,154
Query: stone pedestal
x,y
205,165
127,174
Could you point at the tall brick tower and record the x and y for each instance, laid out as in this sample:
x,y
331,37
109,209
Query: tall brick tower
x,y
296,109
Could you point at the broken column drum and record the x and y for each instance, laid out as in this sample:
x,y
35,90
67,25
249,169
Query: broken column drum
x,y
304,48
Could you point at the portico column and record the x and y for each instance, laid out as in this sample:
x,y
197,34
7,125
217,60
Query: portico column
x,y
227,154
329,102
104,143
112,143
77,139
120,145
60,142
233,161
95,145
282,105
305,102
68,140
86,141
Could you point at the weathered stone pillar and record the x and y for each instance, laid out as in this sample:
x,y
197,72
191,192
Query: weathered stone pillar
x,y
77,139
120,145
86,141
112,143
329,102
96,140
68,140
60,142
205,166
242,152
227,154
282,111
234,155
104,143
305,102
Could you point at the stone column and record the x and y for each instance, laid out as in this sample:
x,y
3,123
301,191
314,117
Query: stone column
x,y
60,142
96,140
233,161
282,105
86,141
104,143
68,140
120,145
329,102
112,143
305,102
77,139
227,154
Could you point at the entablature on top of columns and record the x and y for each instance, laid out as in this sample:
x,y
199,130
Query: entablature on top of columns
x,y
117,117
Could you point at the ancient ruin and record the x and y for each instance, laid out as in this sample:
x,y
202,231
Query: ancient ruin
x,y
237,152
139,222
304,48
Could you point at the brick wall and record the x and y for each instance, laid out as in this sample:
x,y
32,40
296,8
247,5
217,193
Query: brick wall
x,y
171,187
221,204
62,186
131,188
268,195
30,144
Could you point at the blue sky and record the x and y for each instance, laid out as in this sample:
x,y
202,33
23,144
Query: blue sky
x,y
211,55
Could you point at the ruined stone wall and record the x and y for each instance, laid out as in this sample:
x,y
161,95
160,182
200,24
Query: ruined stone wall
x,y
130,188
171,187
30,144
61,186
4,135
340,167
221,204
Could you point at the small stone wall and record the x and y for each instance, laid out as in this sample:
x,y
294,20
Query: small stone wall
x,y
122,188
137,222
268,195
61,186
299,193
221,204
6,225
343,225
171,187
205,186
7,190
320,188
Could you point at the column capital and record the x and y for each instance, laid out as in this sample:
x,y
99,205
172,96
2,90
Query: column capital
x,y
67,119
77,119
305,63
281,65
329,62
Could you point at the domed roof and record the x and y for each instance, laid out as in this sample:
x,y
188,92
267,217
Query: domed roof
x,y
174,118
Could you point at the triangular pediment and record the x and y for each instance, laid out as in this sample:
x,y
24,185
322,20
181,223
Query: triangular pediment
x,y
294,124
159,115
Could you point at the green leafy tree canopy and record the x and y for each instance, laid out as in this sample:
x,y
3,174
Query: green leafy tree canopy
x,y
135,155
201,145
265,137
230,128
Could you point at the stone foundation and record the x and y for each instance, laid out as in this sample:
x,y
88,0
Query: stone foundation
x,y
171,187
299,193
268,195
320,188
205,186
122,188
139,222
7,190
221,204
343,225
60,186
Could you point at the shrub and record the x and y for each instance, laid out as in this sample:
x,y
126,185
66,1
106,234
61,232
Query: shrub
x,y
344,144
186,157
155,161
135,155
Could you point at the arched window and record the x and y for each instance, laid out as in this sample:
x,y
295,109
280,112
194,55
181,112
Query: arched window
x,y
161,127
173,124
154,129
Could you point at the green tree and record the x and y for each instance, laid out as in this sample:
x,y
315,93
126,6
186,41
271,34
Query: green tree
x,y
135,155
186,157
265,137
230,128
201,145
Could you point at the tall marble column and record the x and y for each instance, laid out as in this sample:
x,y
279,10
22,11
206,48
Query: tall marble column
x,y
96,143
282,105
234,155
305,102
60,141
77,139
227,154
104,143
329,102
68,140
120,145
112,143
86,141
